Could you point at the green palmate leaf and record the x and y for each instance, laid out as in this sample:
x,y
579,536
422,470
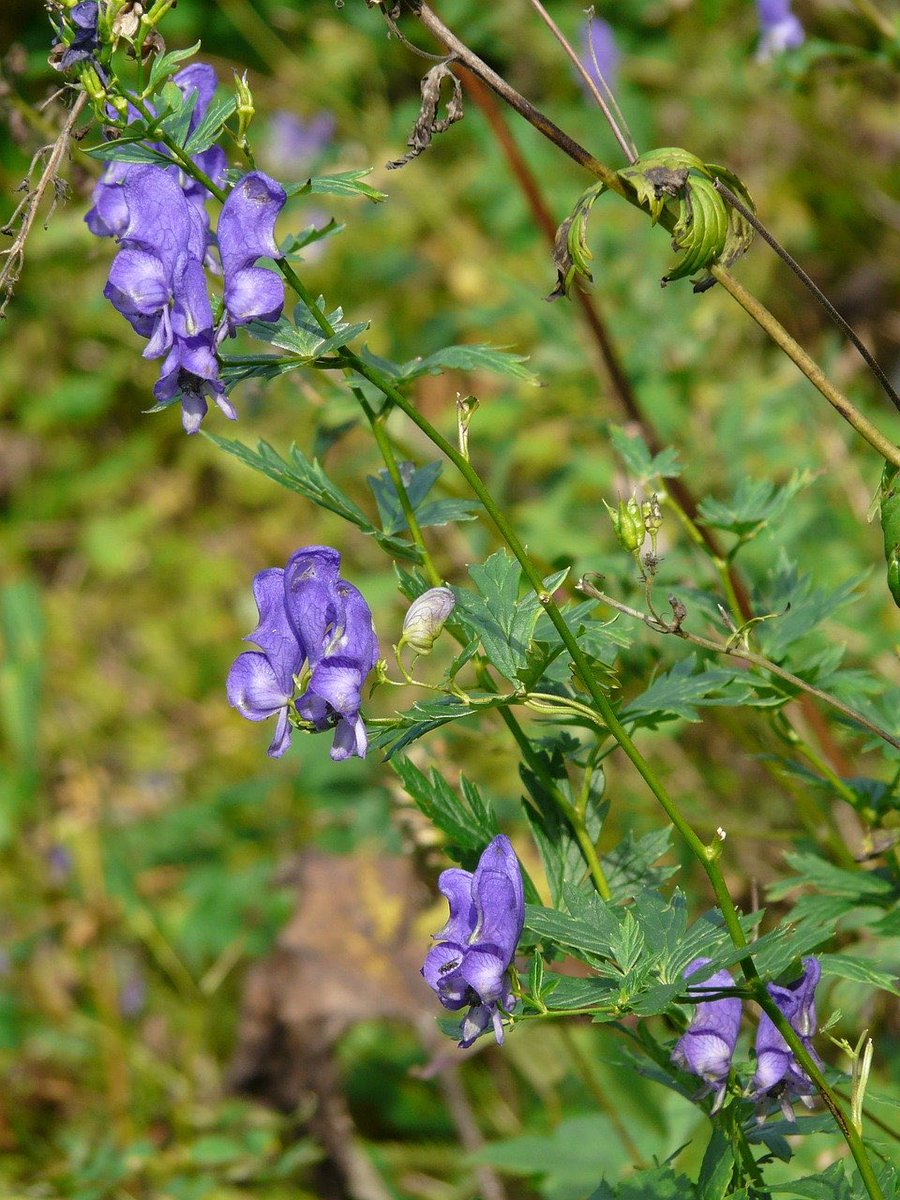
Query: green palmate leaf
x,y
164,64
503,623
889,504
629,868
831,1184
754,504
857,887
861,970
469,358
179,109
682,690
468,822
637,459
405,728
344,183
575,934
655,1183
306,477
571,253
212,124
563,993
797,608
417,482
129,150
567,1161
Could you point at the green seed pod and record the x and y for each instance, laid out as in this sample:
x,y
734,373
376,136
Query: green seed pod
x,y
628,523
425,619
889,499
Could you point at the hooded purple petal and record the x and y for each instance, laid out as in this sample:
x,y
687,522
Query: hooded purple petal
x,y
456,885
246,232
599,52
779,29
707,1047
487,912
254,687
777,1071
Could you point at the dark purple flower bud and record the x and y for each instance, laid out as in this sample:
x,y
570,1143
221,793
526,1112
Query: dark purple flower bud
x,y
246,233
314,623
469,963
779,29
599,52
778,1074
83,21
292,144
706,1048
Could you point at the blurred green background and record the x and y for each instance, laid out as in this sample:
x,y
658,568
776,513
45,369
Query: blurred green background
x,y
147,843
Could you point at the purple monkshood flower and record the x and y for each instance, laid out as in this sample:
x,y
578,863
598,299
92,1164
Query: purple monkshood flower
x,y
315,627
157,280
291,143
83,19
779,29
599,52
778,1074
469,963
246,232
108,215
707,1046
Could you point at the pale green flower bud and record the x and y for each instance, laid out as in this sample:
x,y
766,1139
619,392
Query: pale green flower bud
x,y
425,619
246,109
651,511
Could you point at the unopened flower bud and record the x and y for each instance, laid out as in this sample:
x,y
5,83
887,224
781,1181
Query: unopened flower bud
x,y
245,108
425,619
628,524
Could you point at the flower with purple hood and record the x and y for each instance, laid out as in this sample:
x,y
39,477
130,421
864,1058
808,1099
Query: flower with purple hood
x,y
470,961
315,635
779,29
108,215
246,233
157,280
707,1046
291,144
778,1074
157,283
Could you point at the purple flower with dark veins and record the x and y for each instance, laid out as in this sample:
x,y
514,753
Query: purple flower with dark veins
x,y
599,52
85,43
779,29
470,961
246,233
778,1074
707,1046
157,283
316,628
